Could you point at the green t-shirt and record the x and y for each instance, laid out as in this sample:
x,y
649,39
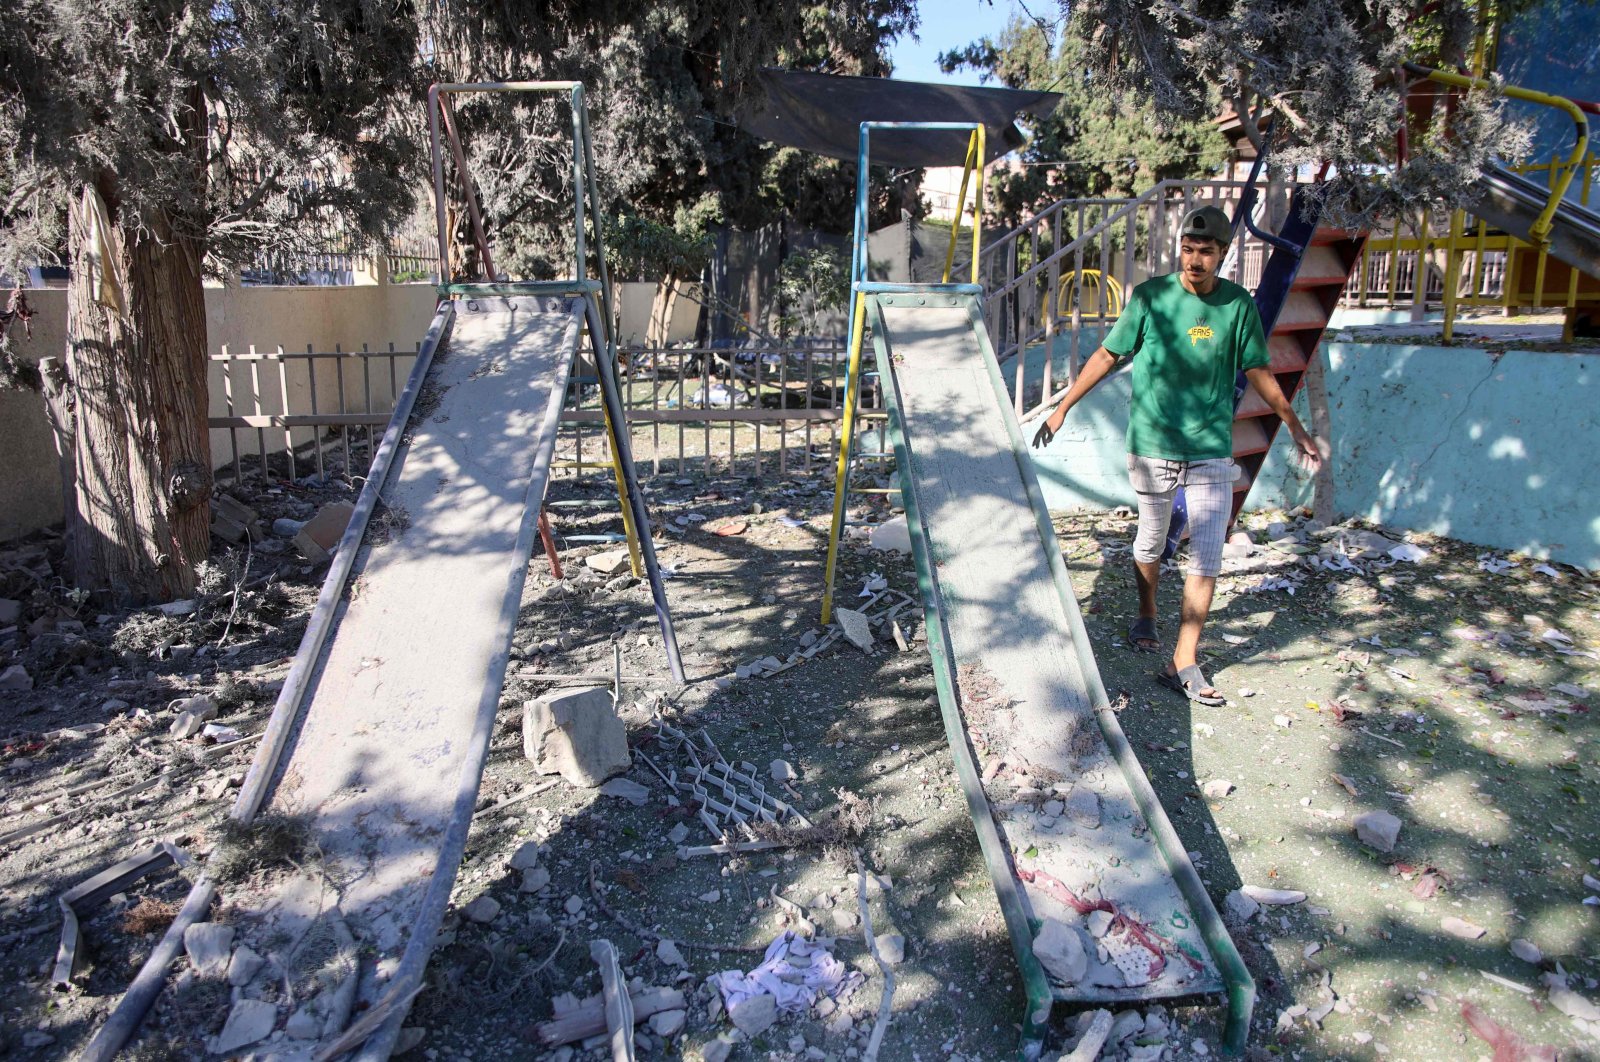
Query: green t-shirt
x,y
1187,350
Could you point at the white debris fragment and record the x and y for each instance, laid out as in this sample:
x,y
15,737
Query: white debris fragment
x,y
855,627
1377,829
1273,897
1409,553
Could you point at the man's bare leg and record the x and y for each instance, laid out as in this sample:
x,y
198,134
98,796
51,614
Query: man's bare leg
x,y
1197,593
1147,575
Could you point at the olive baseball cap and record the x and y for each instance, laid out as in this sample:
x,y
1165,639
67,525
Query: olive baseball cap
x,y
1206,223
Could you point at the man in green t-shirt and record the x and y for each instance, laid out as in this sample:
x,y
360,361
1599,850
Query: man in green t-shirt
x,y
1189,334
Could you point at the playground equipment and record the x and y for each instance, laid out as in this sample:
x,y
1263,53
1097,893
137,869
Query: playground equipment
x,y
377,742
1012,664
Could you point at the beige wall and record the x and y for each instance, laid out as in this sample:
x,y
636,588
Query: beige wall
x,y
377,315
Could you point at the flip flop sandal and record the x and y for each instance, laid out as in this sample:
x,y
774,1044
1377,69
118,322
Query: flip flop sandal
x,y
1189,682
1144,627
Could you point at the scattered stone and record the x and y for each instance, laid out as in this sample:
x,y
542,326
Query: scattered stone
x,y
1377,829
845,919
1246,691
1060,950
891,535
192,715
1099,923
243,966
534,879
754,1015
678,834
1273,897
711,897
1239,908
249,1020
877,884
410,1039
626,789
209,947
483,910
891,948
1083,807
1125,1025
1282,720
577,734
717,1050
668,1023
37,1038
668,952
1460,927
15,679
284,527
621,583
303,1024
1573,1005
1096,1028
782,771
525,857
856,628
182,607
608,563
1217,788
317,539
574,905
1527,951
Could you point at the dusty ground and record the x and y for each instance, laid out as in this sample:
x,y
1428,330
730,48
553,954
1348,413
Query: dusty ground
x,y
1488,767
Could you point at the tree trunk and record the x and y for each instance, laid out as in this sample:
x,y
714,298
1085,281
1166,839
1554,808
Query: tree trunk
x,y
1323,507
137,359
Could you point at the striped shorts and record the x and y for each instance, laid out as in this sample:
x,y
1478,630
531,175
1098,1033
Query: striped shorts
x,y
1208,491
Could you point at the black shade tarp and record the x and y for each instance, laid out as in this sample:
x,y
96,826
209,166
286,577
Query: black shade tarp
x,y
822,113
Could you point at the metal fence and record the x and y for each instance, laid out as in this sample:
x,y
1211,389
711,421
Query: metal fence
x,y
751,411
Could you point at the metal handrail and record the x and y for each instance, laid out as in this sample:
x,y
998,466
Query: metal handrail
x,y
1540,230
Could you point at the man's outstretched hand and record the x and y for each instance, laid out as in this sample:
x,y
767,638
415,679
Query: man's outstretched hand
x,y
1308,453
1042,437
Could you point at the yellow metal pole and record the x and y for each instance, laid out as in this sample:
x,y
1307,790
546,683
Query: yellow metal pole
x,y
1452,272
961,205
628,526
841,478
978,135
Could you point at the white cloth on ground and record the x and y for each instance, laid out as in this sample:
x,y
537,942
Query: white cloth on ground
x,y
793,970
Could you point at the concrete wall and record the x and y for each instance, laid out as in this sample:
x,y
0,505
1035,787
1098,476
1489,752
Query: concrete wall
x,y
377,315
1492,449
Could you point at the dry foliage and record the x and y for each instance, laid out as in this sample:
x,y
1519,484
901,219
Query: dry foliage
x,y
149,915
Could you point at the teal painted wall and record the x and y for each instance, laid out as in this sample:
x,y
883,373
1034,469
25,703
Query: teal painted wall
x,y
1496,450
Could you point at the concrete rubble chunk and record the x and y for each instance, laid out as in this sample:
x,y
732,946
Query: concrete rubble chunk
x,y
754,1015
668,952
409,1039
609,563
1083,807
1460,927
1217,788
892,535
1099,922
316,540
1573,1005
678,834
483,910
577,734
855,626
1377,829
250,1020
782,771
668,1023
1273,897
243,967
284,527
1527,951
626,789
1126,1024
303,1024
15,679
209,947
1060,950
192,715
1239,908
534,879
525,856
717,1050
1095,1028
891,947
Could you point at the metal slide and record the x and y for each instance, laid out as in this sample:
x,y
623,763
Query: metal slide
x,y
1071,824
376,746
1513,203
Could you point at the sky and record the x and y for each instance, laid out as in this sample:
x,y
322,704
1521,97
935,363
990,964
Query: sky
x,y
948,24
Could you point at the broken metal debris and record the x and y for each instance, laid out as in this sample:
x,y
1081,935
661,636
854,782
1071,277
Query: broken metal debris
x,y
96,890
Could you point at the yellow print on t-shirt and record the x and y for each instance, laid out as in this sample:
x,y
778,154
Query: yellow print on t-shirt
x,y
1199,332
